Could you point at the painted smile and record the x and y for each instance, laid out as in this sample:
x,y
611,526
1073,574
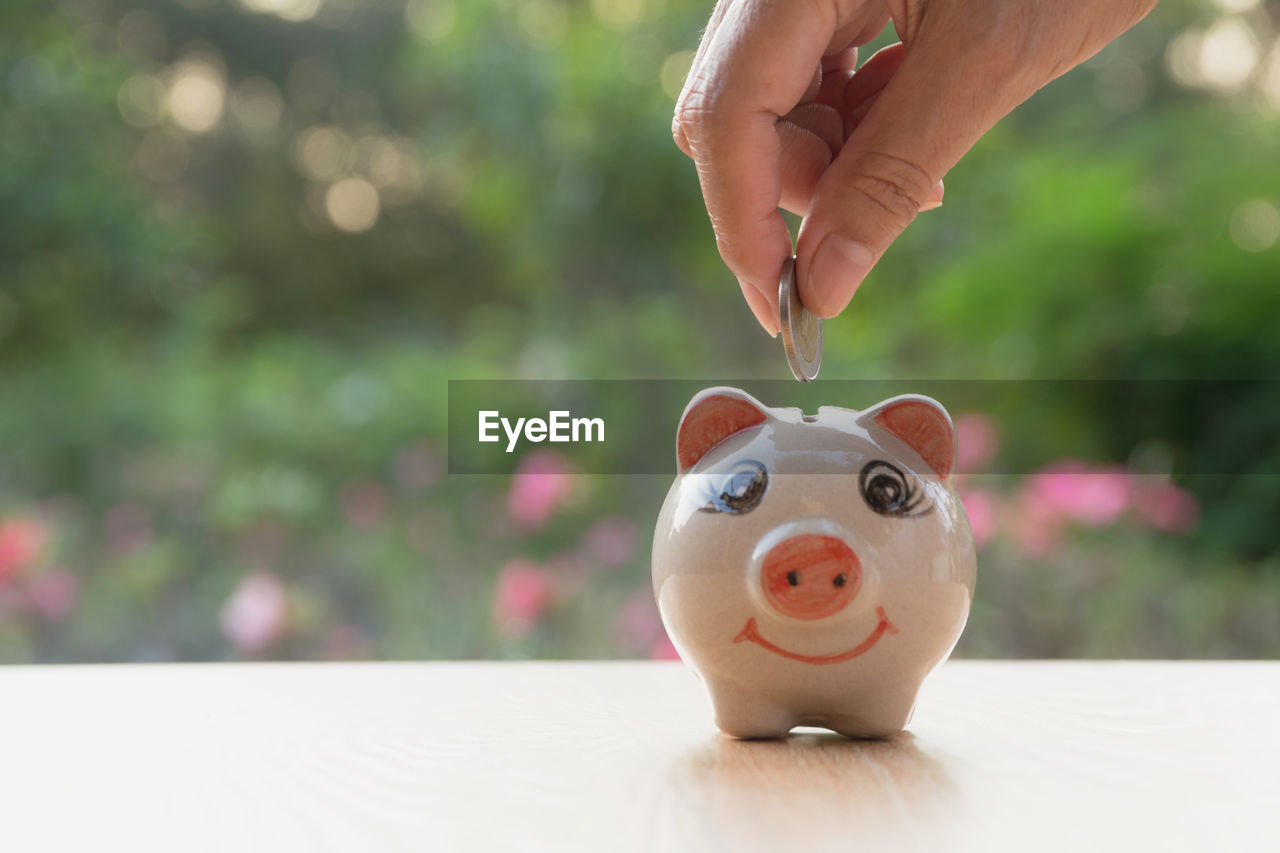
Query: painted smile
x,y
751,634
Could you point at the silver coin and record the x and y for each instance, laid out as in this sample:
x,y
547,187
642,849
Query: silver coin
x,y
801,331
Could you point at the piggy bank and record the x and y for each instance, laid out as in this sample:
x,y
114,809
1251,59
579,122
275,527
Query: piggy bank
x,y
813,569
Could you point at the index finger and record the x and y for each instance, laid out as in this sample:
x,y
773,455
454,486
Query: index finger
x,y
756,68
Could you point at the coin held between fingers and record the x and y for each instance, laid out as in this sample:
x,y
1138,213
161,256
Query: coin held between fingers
x,y
801,329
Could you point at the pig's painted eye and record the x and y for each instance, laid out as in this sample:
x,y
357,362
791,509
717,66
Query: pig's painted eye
x,y
740,490
888,491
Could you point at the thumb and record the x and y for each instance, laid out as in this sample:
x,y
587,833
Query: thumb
x,y
919,126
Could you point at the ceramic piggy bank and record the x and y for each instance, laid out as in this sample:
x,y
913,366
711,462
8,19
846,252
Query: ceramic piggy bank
x,y
813,569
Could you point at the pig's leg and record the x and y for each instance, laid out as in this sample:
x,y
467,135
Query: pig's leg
x,y
878,719
748,715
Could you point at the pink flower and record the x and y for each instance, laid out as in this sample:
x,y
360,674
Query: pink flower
x,y
520,597
1068,491
22,542
1167,507
256,614
982,508
978,441
612,541
53,594
1103,496
541,485
1094,497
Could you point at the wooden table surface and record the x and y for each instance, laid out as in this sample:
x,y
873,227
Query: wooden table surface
x,y
623,756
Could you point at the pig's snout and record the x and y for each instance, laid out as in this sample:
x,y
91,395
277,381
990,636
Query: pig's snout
x,y
810,576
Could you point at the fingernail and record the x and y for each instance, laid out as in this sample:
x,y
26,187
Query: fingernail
x,y
760,307
839,266
935,194
930,205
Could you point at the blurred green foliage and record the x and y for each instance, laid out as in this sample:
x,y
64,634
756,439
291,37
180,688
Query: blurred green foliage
x,y
245,243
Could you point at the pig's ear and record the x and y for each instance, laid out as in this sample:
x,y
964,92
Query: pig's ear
x,y
712,416
922,424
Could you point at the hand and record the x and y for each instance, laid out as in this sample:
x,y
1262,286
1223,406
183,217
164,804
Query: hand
x,y
774,114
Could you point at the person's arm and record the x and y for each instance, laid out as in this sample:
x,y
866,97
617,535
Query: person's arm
x,y
774,115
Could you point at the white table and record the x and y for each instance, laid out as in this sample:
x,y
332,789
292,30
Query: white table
x,y
1076,756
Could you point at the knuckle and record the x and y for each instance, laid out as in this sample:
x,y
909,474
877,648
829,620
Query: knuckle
x,y
895,185
730,251
687,126
693,109
677,134
701,110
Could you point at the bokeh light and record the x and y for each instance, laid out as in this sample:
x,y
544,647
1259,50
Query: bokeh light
x,y
542,22
288,10
1228,54
431,20
675,68
196,94
322,152
390,165
1270,82
352,204
622,15
258,108
1237,6
1255,225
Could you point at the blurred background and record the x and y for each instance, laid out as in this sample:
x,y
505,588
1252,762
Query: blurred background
x,y
245,243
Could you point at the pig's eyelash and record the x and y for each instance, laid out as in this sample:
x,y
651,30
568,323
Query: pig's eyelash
x,y
889,491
